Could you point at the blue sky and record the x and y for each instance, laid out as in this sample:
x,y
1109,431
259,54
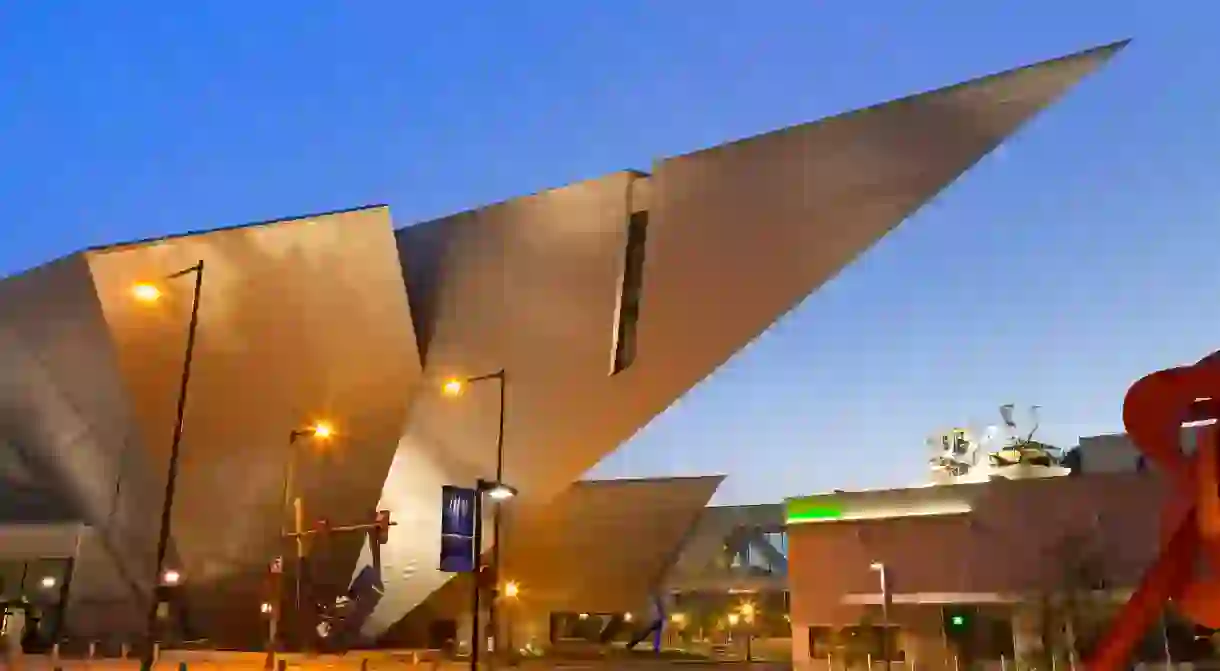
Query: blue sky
x,y
1079,257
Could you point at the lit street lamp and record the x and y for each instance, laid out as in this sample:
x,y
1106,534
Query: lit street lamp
x,y
511,590
294,502
886,598
455,387
497,491
747,615
150,293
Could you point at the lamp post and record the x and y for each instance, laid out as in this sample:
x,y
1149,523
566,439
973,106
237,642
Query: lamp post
x,y
511,590
747,615
496,491
455,387
292,501
883,577
150,293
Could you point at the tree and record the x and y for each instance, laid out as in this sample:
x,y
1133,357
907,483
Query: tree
x,y
1073,606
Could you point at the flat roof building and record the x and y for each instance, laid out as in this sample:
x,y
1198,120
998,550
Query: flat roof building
x,y
989,556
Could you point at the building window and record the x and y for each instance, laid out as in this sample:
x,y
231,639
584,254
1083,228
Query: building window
x,y
872,641
629,293
778,540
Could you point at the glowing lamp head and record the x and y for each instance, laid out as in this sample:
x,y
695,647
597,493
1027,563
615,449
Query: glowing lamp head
x,y
734,618
501,492
146,293
627,617
497,491
48,582
452,387
171,577
747,610
322,430
511,589
265,608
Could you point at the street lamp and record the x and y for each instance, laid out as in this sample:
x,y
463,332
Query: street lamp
x,y
145,292
498,491
455,387
511,591
747,612
294,502
747,615
883,577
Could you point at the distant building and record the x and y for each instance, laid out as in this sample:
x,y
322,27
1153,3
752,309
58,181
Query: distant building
x,y
986,554
967,565
735,560
1116,453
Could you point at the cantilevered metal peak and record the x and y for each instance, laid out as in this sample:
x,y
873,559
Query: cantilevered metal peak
x,y
741,233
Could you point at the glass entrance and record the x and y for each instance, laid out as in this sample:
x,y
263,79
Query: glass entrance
x,y
38,588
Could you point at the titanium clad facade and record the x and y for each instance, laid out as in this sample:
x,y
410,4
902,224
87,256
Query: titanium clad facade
x,y
732,238
300,321
604,301
66,417
597,547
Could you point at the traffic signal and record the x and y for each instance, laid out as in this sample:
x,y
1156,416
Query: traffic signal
x,y
381,532
958,621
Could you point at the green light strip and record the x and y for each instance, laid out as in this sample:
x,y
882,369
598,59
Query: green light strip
x,y
813,510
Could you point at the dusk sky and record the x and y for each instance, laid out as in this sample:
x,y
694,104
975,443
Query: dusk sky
x,y
1069,263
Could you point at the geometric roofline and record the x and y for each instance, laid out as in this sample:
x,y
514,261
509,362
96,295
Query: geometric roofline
x,y
604,301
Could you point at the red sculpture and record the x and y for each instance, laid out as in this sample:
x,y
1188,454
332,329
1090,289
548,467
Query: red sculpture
x,y
1154,411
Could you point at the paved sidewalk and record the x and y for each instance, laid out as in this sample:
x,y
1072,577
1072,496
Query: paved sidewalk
x,y
220,661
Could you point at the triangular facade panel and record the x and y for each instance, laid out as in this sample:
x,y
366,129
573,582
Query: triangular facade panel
x,y
606,300
300,321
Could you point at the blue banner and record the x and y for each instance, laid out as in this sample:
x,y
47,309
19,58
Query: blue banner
x,y
457,529
457,511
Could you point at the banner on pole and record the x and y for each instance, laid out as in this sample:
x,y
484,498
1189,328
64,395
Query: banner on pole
x,y
457,529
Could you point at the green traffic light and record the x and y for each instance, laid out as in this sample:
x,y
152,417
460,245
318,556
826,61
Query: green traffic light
x,y
957,620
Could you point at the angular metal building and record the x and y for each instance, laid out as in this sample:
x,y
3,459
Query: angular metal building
x,y
600,549
604,301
